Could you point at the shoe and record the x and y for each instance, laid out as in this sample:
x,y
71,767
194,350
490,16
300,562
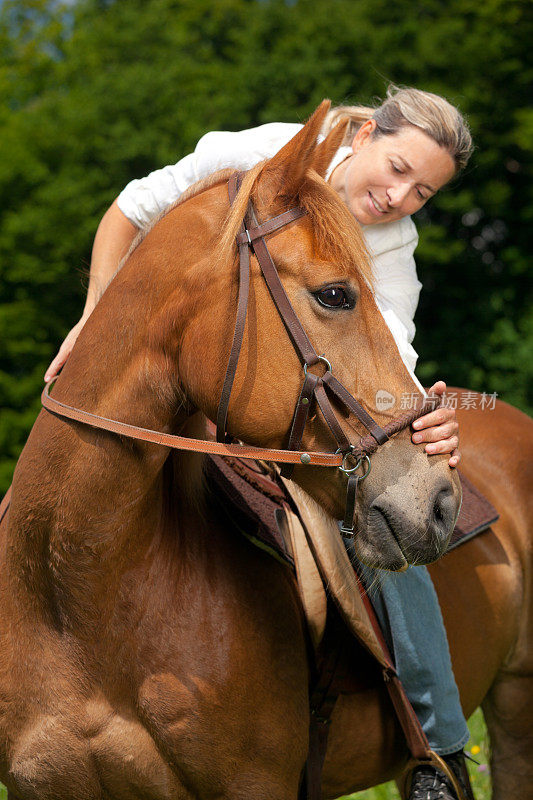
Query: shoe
x,y
457,763
428,782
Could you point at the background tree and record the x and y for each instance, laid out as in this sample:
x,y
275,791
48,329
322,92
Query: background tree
x,y
97,92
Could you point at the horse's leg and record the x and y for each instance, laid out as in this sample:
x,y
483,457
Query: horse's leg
x,y
508,710
229,707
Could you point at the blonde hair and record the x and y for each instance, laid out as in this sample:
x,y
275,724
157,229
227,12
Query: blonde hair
x,y
407,106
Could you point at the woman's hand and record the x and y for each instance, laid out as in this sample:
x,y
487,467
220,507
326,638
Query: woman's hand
x,y
65,349
439,428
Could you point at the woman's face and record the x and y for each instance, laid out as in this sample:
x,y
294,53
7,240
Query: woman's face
x,y
390,177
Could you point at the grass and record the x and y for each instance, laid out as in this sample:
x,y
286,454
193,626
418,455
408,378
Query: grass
x,y
479,775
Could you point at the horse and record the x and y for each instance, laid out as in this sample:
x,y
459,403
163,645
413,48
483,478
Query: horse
x,y
147,650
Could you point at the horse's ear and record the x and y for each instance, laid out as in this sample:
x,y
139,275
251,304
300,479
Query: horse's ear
x,y
284,173
325,151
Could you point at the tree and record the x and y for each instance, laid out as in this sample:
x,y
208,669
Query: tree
x,y
101,91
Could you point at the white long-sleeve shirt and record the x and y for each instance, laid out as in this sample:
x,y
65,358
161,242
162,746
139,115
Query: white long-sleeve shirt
x,y
391,244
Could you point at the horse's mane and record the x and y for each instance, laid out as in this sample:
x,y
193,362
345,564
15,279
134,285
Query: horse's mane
x,y
336,233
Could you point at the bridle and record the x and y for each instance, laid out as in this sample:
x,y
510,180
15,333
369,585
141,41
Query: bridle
x,y
348,457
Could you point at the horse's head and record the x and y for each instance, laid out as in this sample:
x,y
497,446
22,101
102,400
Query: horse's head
x,y
408,503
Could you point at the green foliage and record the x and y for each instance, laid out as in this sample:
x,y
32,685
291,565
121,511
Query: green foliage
x,y
97,92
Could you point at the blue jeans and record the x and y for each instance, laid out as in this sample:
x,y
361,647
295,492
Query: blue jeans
x,y
408,610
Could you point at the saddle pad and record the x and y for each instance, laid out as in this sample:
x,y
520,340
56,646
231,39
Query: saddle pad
x,y
476,515
257,502
260,501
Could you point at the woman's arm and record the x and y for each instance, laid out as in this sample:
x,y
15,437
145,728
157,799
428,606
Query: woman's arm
x,y
144,199
112,241
397,288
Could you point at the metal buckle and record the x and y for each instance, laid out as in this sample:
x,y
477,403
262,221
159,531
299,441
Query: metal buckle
x,y
349,470
324,360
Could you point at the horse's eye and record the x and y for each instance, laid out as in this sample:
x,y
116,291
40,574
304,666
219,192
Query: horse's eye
x,y
335,297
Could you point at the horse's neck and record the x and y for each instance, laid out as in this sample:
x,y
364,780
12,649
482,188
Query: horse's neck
x,y
86,504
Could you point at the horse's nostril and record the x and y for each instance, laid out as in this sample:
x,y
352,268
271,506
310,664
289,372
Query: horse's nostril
x,y
444,507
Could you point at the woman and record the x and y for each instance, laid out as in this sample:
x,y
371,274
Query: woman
x,y
394,158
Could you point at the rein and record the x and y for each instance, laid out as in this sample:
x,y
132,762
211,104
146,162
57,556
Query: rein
x,y
349,457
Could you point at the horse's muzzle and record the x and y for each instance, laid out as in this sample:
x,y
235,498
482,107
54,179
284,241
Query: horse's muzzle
x,y
414,532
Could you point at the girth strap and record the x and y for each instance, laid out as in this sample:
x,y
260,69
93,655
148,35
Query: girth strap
x,y
322,700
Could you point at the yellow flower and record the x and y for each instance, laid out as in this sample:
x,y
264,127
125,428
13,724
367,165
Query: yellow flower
x,y
475,750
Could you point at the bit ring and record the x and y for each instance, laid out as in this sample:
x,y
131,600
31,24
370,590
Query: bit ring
x,y
361,460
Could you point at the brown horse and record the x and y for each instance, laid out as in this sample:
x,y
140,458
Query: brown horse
x,y
146,649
